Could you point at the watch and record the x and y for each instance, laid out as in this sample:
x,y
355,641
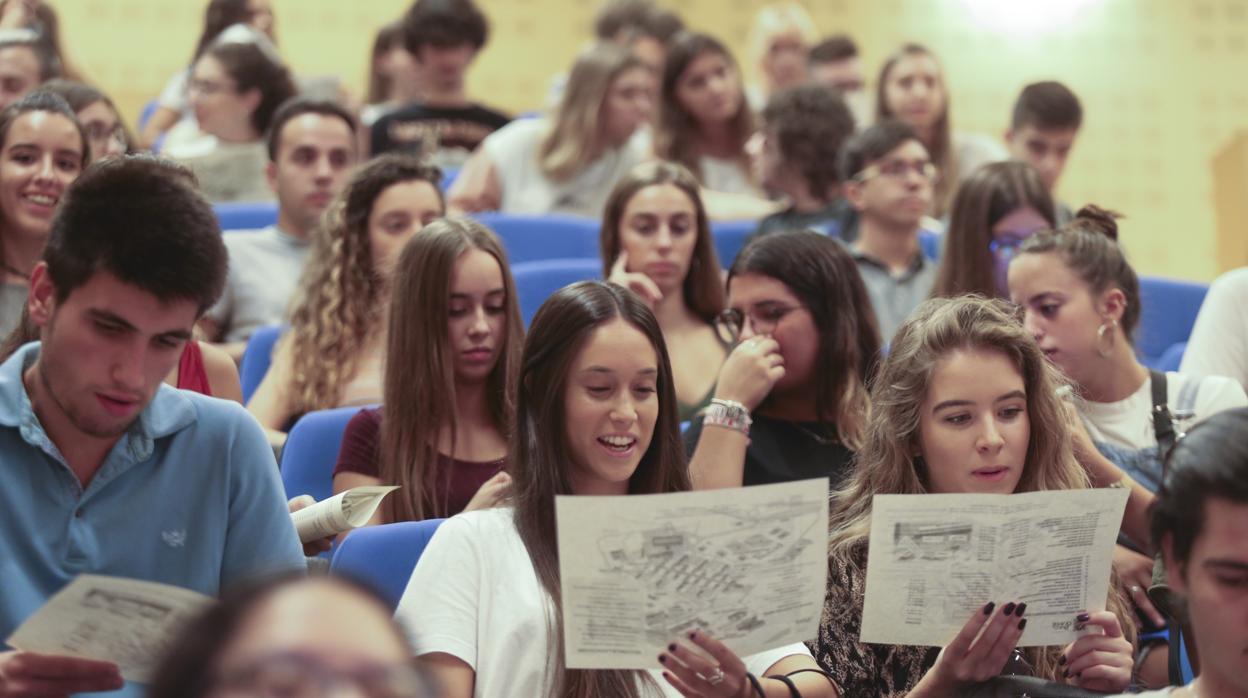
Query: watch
x,y
728,414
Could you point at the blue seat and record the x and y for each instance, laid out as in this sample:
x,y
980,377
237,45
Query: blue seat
x,y
449,175
257,357
246,215
146,114
311,451
1167,312
1171,358
535,281
531,238
383,557
729,237
929,242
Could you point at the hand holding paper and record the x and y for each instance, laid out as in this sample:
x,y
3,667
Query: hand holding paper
x,y
341,512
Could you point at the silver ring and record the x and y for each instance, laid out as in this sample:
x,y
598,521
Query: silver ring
x,y
716,677
1135,588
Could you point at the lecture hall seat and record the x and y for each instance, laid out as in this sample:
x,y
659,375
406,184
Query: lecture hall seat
x,y
530,238
311,451
257,357
383,557
246,215
536,280
1167,312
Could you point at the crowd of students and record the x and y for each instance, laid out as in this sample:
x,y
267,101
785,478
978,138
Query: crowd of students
x,y
835,345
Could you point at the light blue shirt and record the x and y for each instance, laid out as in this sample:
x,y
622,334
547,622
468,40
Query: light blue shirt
x,y
189,496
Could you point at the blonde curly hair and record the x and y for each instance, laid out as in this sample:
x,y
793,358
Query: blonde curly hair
x,y
338,310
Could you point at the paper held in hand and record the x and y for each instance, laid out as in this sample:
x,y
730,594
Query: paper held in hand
x,y
747,565
128,622
934,559
342,512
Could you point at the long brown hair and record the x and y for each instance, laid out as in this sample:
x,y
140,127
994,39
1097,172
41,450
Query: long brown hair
x,y
822,274
887,463
419,392
380,85
541,458
338,307
703,287
940,147
678,133
991,193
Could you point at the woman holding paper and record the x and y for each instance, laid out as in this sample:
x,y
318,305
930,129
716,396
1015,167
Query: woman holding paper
x,y
595,415
964,403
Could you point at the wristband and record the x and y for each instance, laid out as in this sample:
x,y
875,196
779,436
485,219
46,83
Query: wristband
x,y
728,414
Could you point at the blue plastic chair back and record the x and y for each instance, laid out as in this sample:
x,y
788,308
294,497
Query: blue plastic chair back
x,y
929,242
729,237
449,175
1168,310
1185,661
146,114
246,215
311,451
1171,358
383,557
532,238
535,281
257,357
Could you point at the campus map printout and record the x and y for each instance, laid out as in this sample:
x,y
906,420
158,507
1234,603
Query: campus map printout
x,y
935,559
747,565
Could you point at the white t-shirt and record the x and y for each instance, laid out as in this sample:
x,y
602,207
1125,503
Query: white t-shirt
x,y
1219,342
726,175
265,266
474,595
1128,423
512,151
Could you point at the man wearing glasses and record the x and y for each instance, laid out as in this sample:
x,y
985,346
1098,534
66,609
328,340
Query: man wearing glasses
x,y
888,179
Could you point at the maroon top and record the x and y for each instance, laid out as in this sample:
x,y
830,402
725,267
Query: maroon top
x,y
191,372
358,454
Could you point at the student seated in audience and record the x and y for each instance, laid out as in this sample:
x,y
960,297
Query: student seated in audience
x,y
912,88
106,132
656,242
1218,345
333,353
1200,524
173,105
485,594
453,350
1046,120
393,75
292,636
778,44
444,125
43,148
791,400
235,88
24,65
803,130
835,63
41,18
888,178
997,207
704,119
103,465
641,26
964,403
568,163
311,148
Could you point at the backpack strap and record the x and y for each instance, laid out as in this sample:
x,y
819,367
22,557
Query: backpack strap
x,y
1163,421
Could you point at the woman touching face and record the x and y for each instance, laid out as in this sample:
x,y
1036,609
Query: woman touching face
x,y
658,232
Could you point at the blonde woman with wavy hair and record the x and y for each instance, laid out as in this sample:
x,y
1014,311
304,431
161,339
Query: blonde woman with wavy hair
x,y
569,162
453,352
964,403
332,354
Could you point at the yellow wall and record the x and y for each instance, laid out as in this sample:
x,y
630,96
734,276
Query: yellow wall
x,y
1162,81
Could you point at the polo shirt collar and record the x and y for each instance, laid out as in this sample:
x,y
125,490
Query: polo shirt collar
x,y
917,264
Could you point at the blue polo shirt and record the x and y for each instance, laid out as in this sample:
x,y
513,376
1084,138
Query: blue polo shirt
x,y
189,496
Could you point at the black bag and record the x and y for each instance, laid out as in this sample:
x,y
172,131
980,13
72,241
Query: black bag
x,y
1029,687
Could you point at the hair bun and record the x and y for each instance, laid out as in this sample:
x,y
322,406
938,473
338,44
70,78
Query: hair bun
x,y
1093,218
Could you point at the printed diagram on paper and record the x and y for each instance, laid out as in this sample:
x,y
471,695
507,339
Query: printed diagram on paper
x,y
751,572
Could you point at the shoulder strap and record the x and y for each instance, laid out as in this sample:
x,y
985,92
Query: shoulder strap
x,y
1163,423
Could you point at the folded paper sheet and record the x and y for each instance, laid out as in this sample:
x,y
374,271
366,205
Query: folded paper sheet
x,y
341,512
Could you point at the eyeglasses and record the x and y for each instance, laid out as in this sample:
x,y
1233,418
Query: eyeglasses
x,y
764,318
898,169
209,87
303,676
1005,249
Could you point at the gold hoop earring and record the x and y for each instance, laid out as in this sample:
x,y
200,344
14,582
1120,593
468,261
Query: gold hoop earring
x,y
1106,328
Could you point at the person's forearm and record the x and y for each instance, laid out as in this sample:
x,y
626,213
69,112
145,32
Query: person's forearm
x,y
719,460
809,685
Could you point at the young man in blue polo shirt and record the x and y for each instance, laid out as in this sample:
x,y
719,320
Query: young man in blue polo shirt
x,y
103,468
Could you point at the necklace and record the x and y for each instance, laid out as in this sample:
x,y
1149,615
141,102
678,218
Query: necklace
x,y
15,271
822,439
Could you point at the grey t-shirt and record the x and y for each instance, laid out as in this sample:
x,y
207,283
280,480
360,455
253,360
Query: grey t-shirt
x,y
894,297
12,301
265,266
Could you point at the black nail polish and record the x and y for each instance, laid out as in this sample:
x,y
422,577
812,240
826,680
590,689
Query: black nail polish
x,y
672,648
1083,618
693,635
988,609
1009,608
1066,673
1022,624
1019,611
662,659
1061,660
1078,674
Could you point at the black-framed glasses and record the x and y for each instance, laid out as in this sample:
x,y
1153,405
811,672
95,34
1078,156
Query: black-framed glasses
x,y
763,318
898,169
296,675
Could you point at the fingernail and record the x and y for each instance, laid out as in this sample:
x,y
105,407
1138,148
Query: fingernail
x,y
1078,674
1083,618
1022,624
672,648
693,635
1019,611
662,659
988,609
1009,608
1061,660
1066,673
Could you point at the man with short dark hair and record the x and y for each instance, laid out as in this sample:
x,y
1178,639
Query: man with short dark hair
x,y
312,147
444,37
834,63
1046,120
803,130
888,177
104,468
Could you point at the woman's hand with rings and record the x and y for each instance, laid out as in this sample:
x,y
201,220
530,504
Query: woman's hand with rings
x,y
1135,574
750,371
696,675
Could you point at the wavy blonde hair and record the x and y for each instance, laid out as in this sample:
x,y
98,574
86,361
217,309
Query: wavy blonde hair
x,y
887,464
339,306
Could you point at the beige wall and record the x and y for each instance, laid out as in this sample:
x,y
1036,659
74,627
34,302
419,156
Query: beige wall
x,y
1162,81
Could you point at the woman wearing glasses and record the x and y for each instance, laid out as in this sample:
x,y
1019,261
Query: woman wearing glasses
x,y
998,207
791,399
656,242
